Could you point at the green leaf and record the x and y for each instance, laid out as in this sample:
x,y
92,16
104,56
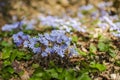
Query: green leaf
x,y
6,63
5,43
19,54
98,66
81,52
13,56
117,63
92,48
10,70
68,75
27,57
39,74
84,77
60,70
95,22
35,65
85,12
102,38
6,53
75,39
103,47
112,53
53,73
37,45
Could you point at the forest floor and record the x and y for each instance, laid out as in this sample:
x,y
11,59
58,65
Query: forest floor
x,y
94,33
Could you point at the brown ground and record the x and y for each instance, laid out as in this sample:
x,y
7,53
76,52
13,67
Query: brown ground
x,y
31,8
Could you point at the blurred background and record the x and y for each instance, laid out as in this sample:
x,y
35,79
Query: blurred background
x,y
17,9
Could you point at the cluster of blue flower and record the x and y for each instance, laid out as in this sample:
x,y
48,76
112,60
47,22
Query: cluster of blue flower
x,y
55,42
10,27
19,38
106,22
19,25
66,23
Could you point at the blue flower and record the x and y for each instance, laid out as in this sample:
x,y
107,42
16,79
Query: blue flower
x,y
48,37
61,53
43,40
59,40
73,52
19,25
49,50
18,43
104,4
86,7
30,43
58,50
26,43
10,27
63,47
44,54
66,23
103,25
55,42
19,38
36,50
29,24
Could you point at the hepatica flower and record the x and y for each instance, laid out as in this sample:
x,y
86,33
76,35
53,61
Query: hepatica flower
x,y
10,27
114,27
103,12
19,38
86,7
104,26
50,21
45,44
65,23
94,14
29,25
116,30
19,25
80,15
73,52
104,4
